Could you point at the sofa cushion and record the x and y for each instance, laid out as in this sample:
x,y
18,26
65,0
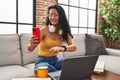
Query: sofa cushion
x,y
28,57
14,71
79,40
95,44
9,50
30,67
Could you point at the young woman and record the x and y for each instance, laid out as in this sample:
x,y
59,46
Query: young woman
x,y
56,31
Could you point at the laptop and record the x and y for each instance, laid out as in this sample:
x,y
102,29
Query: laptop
x,y
76,68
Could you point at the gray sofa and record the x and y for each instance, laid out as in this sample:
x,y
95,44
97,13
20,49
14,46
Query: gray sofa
x,y
17,61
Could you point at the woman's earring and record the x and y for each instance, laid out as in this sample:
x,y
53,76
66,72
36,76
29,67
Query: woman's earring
x,y
51,28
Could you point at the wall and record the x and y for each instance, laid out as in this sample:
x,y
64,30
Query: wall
x,y
41,10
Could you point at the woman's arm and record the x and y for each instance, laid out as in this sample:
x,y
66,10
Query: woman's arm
x,y
32,45
71,45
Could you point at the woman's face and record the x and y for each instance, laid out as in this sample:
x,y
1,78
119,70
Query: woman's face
x,y
53,16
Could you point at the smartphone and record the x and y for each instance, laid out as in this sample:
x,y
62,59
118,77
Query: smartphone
x,y
36,32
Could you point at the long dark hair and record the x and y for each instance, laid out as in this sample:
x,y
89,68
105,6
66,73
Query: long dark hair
x,y
63,22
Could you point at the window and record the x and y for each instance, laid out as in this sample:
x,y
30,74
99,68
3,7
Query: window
x,y
16,16
81,15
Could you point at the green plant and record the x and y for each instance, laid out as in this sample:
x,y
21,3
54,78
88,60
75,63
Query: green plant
x,y
110,24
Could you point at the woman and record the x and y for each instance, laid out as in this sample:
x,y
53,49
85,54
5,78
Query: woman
x,y
56,31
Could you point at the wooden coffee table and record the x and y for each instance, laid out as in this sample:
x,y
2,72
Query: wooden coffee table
x,y
107,75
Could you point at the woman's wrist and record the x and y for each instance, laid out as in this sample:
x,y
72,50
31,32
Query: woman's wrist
x,y
65,49
31,47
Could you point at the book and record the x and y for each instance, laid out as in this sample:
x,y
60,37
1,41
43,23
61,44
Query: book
x,y
31,79
99,67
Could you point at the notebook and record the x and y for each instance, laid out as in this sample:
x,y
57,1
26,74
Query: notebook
x,y
76,68
31,79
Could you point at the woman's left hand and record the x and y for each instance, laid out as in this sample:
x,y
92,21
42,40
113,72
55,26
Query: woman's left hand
x,y
56,49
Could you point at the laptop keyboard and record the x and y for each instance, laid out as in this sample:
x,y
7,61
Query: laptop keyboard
x,y
55,75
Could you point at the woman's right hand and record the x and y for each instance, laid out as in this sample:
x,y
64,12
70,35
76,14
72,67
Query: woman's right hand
x,y
34,40
33,43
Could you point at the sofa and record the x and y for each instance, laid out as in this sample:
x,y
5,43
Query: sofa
x,y
16,61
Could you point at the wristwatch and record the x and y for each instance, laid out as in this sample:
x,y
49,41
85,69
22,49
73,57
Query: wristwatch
x,y
64,48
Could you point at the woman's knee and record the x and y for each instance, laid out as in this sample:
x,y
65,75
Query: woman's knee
x,y
59,64
50,67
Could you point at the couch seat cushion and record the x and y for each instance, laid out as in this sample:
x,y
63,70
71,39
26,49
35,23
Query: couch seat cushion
x,y
15,71
30,67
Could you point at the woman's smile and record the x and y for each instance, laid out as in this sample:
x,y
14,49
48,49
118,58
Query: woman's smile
x,y
53,16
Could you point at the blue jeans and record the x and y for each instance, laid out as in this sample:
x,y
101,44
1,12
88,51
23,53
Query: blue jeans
x,y
52,62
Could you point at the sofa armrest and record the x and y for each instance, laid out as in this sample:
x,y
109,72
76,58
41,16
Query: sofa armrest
x,y
113,52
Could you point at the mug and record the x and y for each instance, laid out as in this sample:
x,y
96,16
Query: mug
x,y
42,72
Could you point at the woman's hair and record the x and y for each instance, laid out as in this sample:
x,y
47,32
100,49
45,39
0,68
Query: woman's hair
x,y
63,22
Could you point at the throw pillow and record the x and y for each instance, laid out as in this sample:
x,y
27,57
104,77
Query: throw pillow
x,y
95,44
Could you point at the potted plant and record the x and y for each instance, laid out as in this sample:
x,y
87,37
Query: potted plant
x,y
110,25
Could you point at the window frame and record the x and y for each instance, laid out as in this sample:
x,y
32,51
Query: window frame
x,y
88,29
16,23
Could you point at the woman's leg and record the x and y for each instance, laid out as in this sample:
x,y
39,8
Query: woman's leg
x,y
57,63
43,61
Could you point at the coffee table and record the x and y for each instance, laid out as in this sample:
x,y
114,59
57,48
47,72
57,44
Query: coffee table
x,y
107,75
